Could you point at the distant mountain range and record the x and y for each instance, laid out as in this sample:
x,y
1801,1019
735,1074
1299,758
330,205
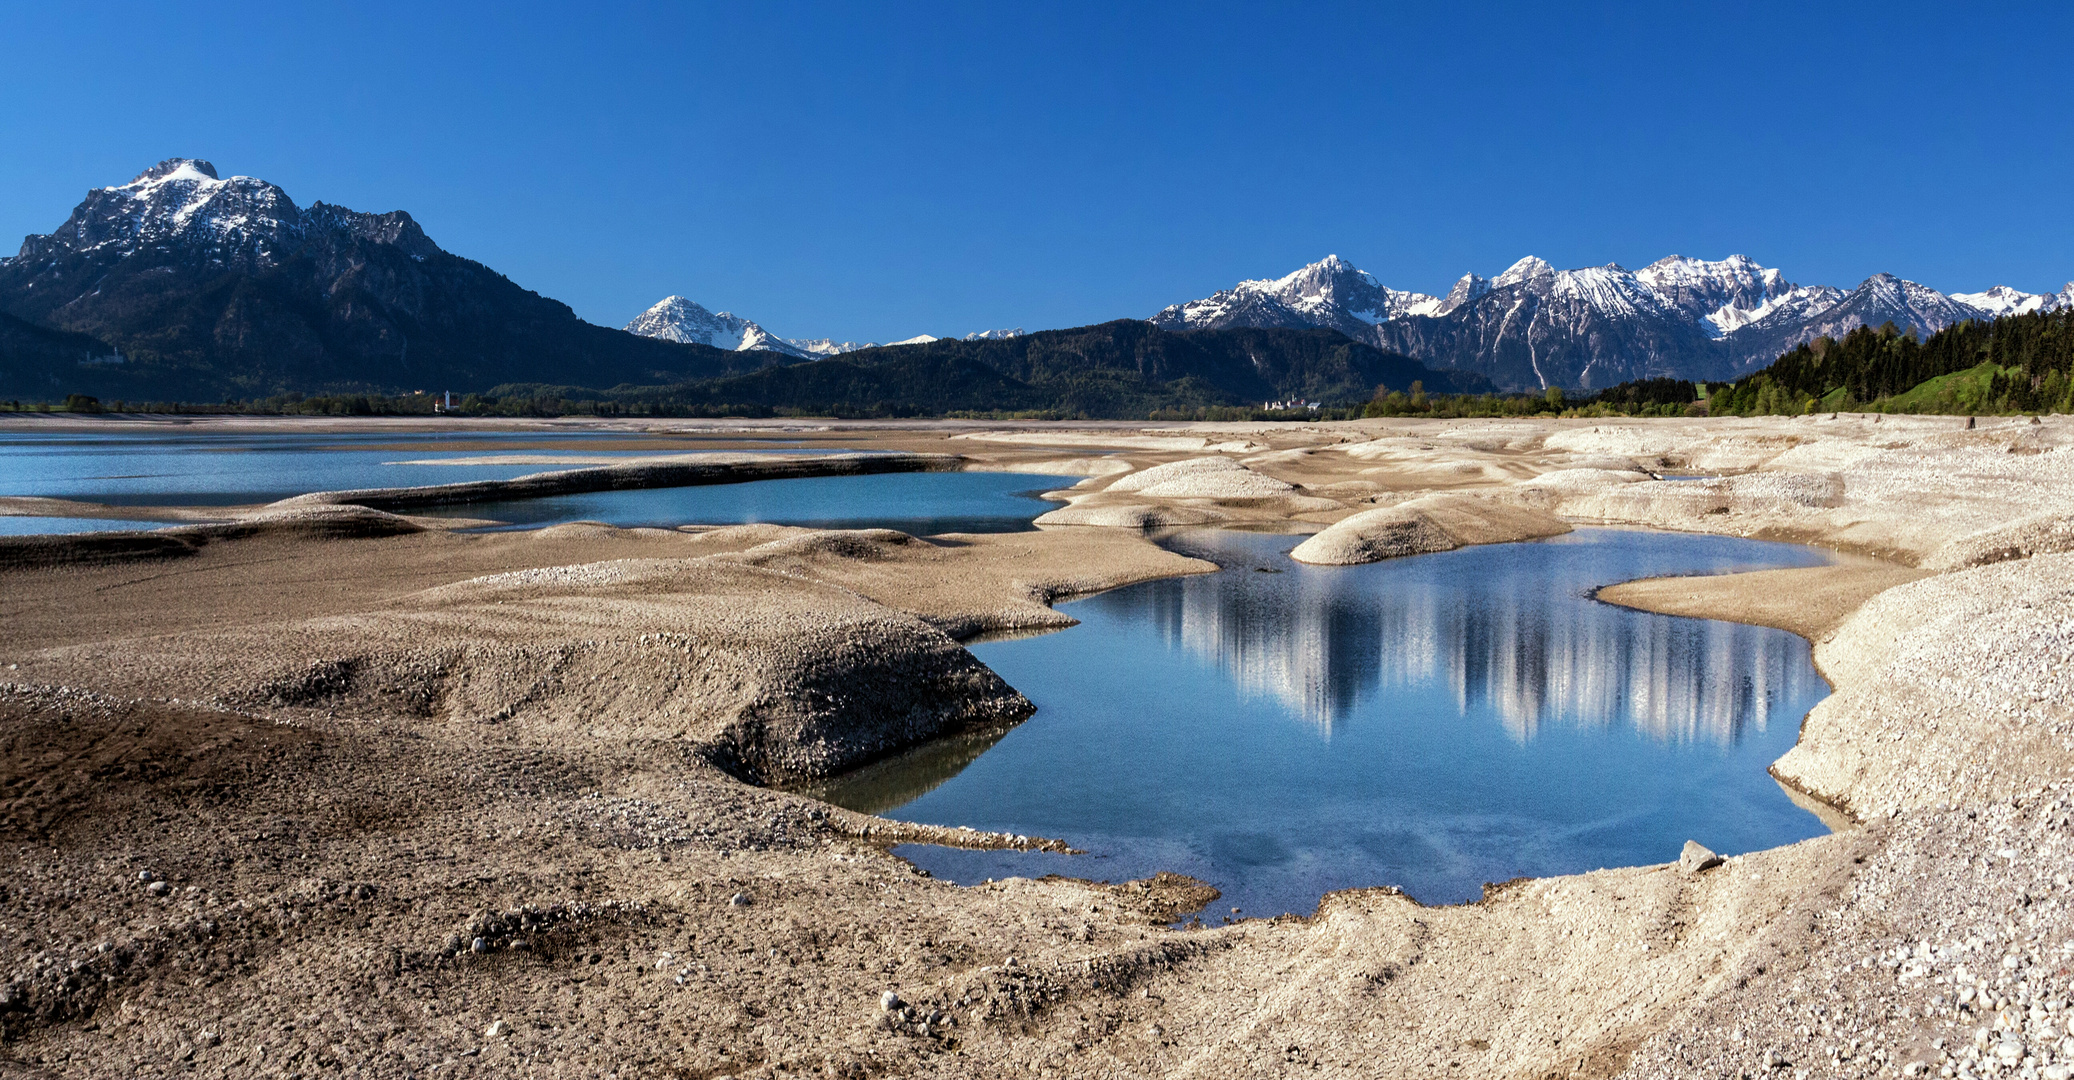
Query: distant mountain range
x,y
184,285
1125,368
673,318
1534,326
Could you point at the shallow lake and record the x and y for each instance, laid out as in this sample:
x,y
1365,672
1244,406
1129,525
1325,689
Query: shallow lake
x,y
159,468
1432,723
214,468
923,504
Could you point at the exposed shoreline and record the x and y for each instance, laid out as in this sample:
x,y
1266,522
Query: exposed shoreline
x,y
487,683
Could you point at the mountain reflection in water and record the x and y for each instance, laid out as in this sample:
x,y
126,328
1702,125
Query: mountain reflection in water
x,y
1321,649
1432,723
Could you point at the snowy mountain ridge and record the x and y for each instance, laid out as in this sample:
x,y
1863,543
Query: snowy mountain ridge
x,y
1533,326
674,318
182,206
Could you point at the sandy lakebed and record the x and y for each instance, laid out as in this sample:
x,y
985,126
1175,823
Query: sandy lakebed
x,y
322,788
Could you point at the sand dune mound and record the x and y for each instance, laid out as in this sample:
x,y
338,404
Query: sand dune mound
x,y
1433,523
1201,478
768,676
1132,516
302,523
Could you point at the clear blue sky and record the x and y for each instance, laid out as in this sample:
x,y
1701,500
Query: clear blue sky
x,y
875,171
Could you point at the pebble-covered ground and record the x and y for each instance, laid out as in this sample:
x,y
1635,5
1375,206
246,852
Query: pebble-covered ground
x,y
413,805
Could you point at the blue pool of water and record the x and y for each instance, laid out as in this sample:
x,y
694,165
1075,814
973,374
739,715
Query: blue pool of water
x,y
923,504
1432,723
213,468
34,526
159,468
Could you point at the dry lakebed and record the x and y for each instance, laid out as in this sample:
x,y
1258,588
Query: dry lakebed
x,y
347,784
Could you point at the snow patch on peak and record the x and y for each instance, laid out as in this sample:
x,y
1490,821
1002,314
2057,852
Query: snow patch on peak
x,y
994,335
918,339
1679,270
1801,301
172,170
1526,269
1468,288
2003,300
825,347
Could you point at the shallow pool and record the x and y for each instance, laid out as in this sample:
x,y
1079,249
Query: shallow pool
x,y
12,525
215,468
922,504
1432,723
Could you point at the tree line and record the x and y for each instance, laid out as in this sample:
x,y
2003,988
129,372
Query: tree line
x,y
2014,364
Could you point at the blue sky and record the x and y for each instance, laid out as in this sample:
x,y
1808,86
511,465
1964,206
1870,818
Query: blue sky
x,y
874,171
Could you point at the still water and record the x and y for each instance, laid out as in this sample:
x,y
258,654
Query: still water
x,y
1432,723
214,468
922,504
158,468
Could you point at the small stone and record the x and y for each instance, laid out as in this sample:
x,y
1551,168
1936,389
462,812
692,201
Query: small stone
x,y
146,876
739,900
210,1038
478,945
156,888
889,1001
1696,858
497,1030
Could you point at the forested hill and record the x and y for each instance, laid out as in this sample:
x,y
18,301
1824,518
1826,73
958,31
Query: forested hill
x,y
2017,363
1122,369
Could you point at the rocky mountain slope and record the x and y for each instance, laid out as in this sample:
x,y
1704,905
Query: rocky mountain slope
x,y
1534,326
185,285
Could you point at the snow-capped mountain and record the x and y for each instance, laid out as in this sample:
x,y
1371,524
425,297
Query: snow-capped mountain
x,y
2003,300
1538,326
824,347
1720,294
1534,326
1330,292
185,284
181,206
673,318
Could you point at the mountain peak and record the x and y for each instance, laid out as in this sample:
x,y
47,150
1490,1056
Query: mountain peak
x,y
175,169
2003,300
1470,286
674,318
1526,269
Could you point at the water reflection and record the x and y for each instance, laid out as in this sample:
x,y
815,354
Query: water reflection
x,y
1483,628
1432,723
